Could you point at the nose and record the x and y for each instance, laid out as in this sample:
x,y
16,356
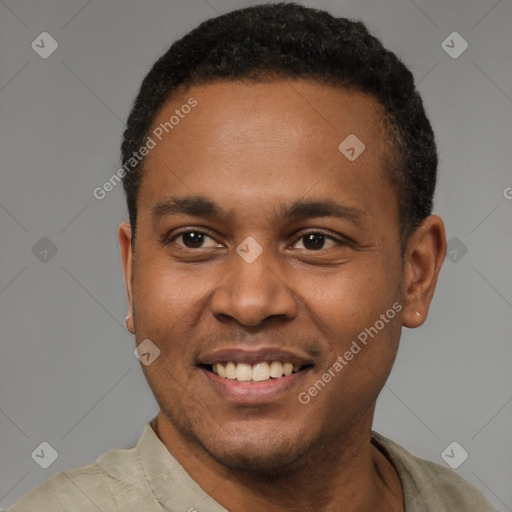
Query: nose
x,y
253,293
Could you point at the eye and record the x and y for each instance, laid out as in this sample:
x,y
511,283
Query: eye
x,y
194,239
315,241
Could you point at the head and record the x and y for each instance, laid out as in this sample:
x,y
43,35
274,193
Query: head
x,y
253,237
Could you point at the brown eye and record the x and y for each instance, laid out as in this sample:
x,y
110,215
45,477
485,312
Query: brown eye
x,y
315,241
195,240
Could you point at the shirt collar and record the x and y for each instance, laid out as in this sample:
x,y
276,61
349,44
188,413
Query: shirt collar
x,y
171,484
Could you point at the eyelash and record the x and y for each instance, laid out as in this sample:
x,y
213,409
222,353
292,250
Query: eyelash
x,y
166,240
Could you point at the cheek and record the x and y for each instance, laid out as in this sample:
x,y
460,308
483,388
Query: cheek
x,y
172,303
356,310
164,300
167,307
352,298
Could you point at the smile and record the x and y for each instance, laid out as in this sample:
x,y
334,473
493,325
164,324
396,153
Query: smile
x,y
258,372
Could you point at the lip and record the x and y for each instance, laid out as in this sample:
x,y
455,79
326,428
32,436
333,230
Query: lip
x,y
255,393
255,355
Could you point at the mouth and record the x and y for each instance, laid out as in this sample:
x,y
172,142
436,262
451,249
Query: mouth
x,y
255,376
259,372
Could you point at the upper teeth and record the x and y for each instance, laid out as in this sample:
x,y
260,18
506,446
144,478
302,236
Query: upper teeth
x,y
256,372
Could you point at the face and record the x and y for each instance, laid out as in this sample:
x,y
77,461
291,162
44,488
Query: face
x,y
261,250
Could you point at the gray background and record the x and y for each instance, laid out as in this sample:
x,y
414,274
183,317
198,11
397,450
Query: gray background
x,y
68,375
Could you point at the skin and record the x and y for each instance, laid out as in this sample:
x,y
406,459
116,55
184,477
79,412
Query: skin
x,y
254,149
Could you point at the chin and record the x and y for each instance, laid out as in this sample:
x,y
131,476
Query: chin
x,y
268,451
267,458
267,446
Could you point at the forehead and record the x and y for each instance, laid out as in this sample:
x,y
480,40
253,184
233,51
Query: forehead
x,y
233,112
290,135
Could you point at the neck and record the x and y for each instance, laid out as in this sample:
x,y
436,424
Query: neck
x,y
344,473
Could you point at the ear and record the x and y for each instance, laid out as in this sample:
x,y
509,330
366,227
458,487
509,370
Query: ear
x,y
425,253
125,244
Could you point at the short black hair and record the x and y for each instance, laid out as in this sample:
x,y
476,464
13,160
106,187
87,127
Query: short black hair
x,y
289,41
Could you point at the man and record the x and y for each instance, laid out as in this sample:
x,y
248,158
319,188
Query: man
x,y
279,170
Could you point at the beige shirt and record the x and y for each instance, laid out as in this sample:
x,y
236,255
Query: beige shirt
x,y
147,478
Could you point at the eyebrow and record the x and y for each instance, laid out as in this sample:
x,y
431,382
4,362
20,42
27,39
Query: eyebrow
x,y
201,206
324,208
188,205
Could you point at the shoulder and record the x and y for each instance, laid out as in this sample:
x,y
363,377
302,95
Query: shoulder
x,y
68,491
88,488
429,486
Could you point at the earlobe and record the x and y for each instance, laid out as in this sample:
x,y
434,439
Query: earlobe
x,y
424,257
125,244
